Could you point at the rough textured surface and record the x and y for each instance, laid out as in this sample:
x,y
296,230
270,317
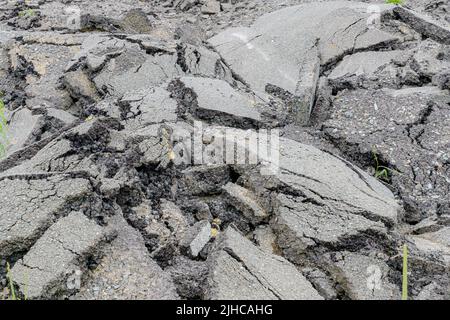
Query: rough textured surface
x,y
352,271
336,205
284,51
127,271
29,207
196,238
423,24
405,128
237,149
218,97
246,202
242,270
44,270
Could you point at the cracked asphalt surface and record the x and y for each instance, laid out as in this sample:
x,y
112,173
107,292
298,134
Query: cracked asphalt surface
x,y
109,189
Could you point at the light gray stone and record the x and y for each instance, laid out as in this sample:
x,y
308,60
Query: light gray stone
x,y
439,31
29,206
129,71
211,7
127,272
148,106
282,52
216,97
363,278
195,238
245,201
401,127
428,61
241,270
23,124
322,199
45,270
362,64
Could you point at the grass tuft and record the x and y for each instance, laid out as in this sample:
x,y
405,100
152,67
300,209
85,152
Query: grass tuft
x,y
3,127
381,172
12,290
396,2
27,13
405,273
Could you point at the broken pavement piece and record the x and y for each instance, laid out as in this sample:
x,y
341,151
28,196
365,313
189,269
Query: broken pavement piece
x,y
27,127
362,277
189,277
335,180
63,249
302,226
245,201
437,242
401,127
362,66
173,218
322,283
126,272
129,71
30,205
195,238
136,21
439,31
240,270
147,106
200,61
42,66
205,179
23,124
164,235
80,86
211,7
323,200
216,101
266,239
430,59
72,150
283,51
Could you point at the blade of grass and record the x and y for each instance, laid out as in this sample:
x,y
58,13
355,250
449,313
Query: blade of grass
x,y
405,273
3,129
11,284
26,287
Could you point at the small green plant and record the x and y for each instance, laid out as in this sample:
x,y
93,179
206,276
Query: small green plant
x,y
3,124
396,2
405,273
381,172
27,13
12,290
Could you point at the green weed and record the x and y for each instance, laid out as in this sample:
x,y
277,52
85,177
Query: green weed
x,y
12,290
381,172
3,128
396,2
27,13
405,273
